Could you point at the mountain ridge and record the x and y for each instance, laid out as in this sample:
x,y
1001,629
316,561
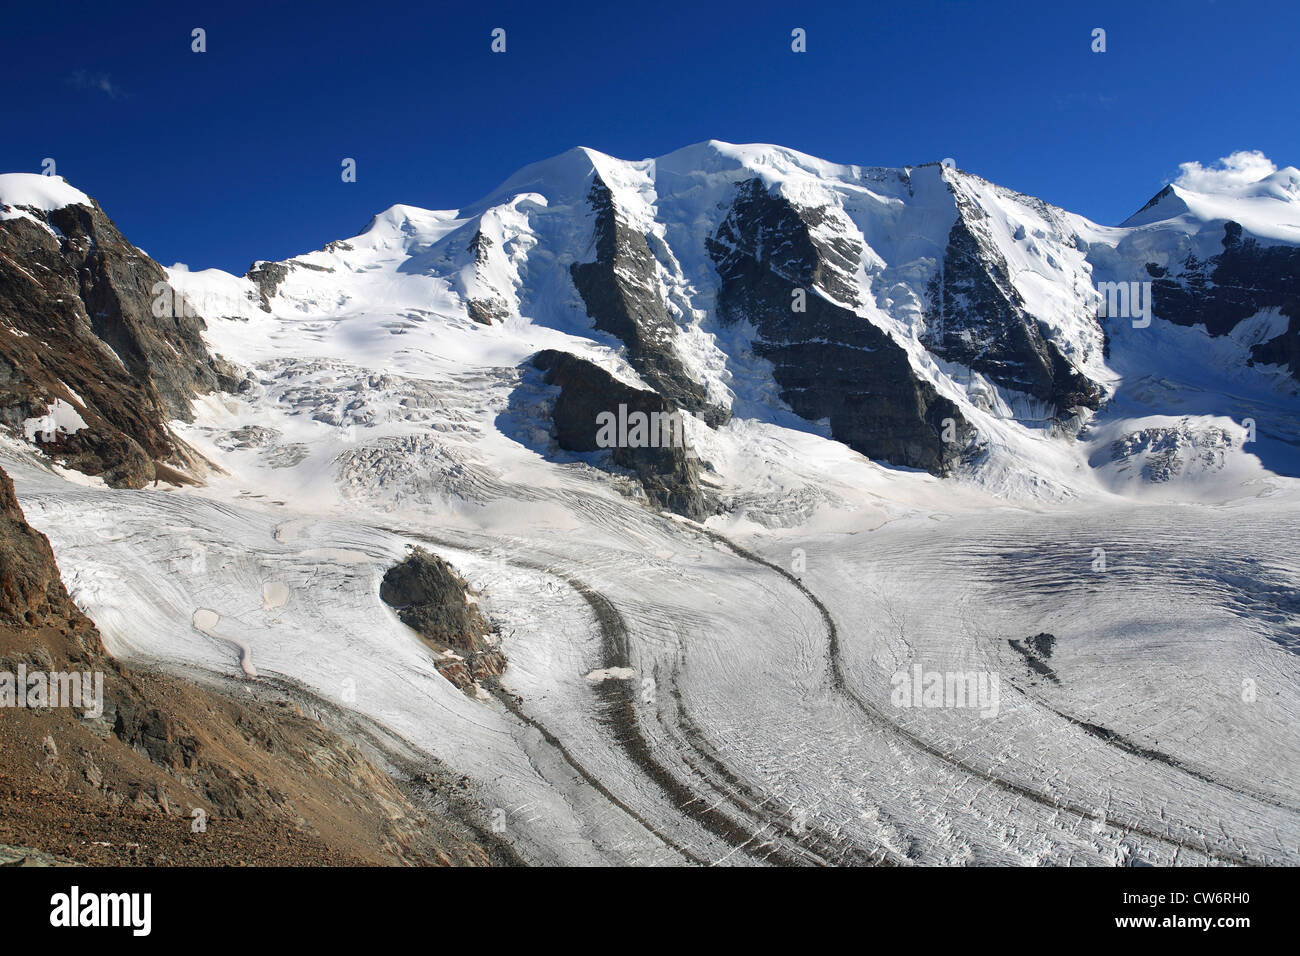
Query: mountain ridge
x,y
991,296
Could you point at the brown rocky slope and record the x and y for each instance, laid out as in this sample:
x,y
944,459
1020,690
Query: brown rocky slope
x,y
172,773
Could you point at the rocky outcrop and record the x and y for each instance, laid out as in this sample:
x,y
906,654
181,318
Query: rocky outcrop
x,y
1241,281
1037,651
96,352
32,594
830,362
624,297
269,276
1166,452
484,309
169,773
977,318
666,470
435,602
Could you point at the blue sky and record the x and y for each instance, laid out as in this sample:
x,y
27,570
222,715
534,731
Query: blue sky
x,y
220,158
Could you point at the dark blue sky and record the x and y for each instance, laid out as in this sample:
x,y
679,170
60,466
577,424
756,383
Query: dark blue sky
x,y
220,158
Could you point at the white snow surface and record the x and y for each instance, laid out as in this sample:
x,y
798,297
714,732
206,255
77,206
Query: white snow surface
x,y
61,418
1268,208
39,192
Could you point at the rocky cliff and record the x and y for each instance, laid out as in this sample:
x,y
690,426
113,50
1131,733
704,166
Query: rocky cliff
x,y
782,273
978,318
96,352
666,471
624,298
1222,291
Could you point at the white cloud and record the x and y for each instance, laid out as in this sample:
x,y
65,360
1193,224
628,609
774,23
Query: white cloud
x,y
1239,169
83,80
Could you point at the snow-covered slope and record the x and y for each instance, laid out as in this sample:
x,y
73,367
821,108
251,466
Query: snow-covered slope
x,y
1268,208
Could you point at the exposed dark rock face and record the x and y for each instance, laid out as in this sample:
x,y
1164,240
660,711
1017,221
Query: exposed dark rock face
x,y
1155,200
1036,651
977,318
78,324
269,276
668,475
830,362
1283,349
623,297
31,592
484,309
433,600
1222,291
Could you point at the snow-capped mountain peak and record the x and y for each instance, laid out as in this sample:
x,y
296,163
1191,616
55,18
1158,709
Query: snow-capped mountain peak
x,y
1268,208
